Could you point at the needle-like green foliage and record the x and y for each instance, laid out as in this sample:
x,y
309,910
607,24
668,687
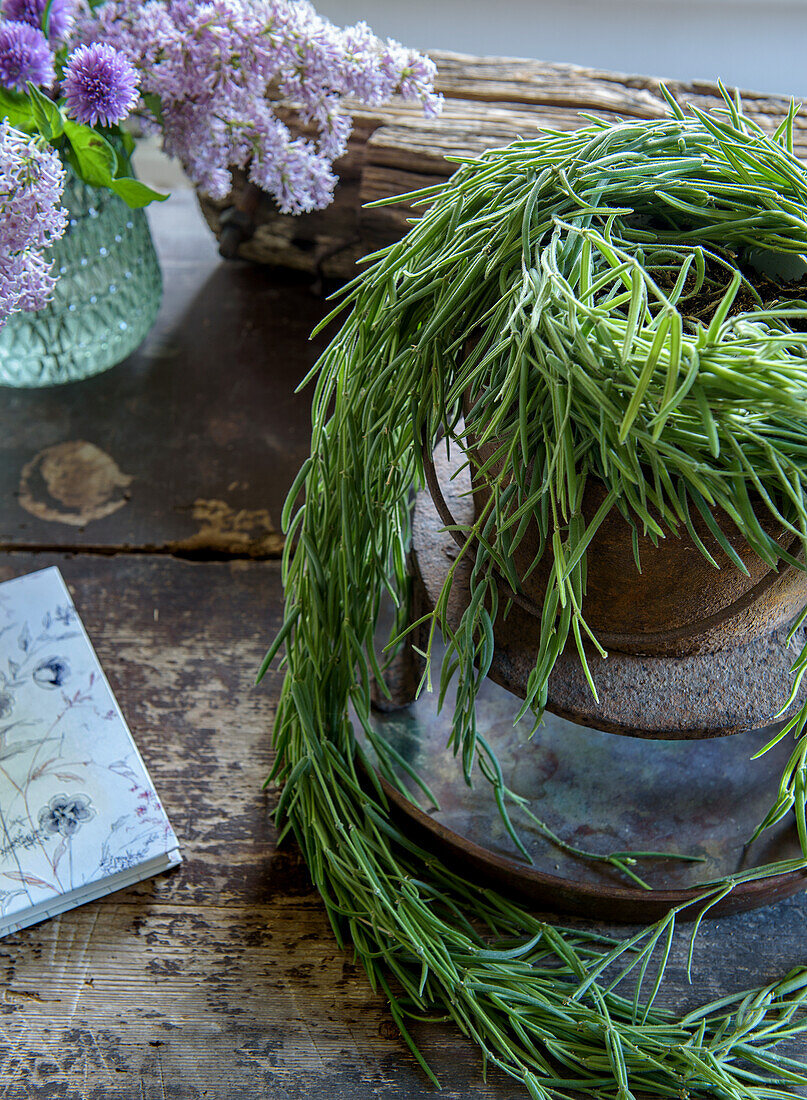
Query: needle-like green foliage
x,y
586,302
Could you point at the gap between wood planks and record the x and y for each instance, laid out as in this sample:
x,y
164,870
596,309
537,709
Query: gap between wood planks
x,y
168,550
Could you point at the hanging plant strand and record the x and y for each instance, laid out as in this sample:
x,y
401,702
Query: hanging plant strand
x,y
586,304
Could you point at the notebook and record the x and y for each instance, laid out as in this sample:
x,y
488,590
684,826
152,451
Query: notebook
x,y
79,816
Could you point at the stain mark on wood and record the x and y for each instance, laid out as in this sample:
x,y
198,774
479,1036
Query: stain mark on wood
x,y
73,482
247,532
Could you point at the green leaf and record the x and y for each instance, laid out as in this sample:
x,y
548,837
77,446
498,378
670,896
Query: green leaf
x,y
94,158
17,109
135,193
45,21
47,115
128,142
154,104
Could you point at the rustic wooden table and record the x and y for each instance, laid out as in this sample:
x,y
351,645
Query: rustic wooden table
x,y
156,488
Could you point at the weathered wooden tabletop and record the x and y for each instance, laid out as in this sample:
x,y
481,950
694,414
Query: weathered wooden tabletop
x,y
156,488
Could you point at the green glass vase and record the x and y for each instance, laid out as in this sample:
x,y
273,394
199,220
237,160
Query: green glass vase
x,y
106,298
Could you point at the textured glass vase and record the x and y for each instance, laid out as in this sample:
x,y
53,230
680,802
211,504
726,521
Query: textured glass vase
x,y
106,298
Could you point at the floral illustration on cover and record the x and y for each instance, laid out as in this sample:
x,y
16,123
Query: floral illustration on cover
x,y
76,803
64,815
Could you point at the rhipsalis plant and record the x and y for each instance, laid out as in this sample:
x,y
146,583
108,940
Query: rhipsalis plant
x,y
587,302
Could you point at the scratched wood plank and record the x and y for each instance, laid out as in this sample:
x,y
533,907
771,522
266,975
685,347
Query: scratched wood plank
x,y
190,445
221,978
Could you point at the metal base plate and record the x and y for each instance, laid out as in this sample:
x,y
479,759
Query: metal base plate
x,y
600,793
703,695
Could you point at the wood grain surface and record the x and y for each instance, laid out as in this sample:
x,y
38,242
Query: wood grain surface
x,y
156,489
221,978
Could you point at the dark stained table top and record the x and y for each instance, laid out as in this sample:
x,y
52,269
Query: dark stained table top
x,y
156,488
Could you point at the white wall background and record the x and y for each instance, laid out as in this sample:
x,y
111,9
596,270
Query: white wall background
x,y
753,44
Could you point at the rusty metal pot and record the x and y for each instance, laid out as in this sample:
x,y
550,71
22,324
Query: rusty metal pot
x,y
680,604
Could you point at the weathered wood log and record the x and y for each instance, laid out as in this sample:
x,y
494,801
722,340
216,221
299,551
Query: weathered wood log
x,y
490,101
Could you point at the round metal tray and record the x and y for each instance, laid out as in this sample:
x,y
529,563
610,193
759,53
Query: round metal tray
x,y
600,793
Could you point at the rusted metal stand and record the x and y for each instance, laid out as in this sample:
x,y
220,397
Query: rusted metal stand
x,y
693,791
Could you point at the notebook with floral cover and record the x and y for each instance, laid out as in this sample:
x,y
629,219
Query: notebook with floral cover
x,y
79,816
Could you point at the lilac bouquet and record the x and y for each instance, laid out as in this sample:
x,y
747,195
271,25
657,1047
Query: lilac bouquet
x,y
31,219
265,86
262,85
61,106
214,75
74,96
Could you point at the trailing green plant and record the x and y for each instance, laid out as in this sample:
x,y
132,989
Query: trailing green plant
x,y
589,303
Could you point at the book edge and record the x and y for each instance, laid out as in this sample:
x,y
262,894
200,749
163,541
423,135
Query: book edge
x,y
82,895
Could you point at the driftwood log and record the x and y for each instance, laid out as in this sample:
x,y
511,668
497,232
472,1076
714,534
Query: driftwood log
x,y
489,102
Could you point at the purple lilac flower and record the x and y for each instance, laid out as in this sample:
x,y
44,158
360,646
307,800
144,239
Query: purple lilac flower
x,y
259,85
99,85
24,55
60,17
31,219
